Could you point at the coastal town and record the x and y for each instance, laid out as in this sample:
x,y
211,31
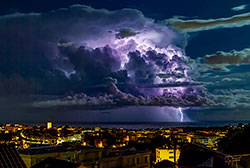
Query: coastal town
x,y
118,147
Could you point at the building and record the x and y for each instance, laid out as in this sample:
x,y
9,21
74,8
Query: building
x,y
165,164
199,156
72,138
127,158
56,163
135,159
76,154
167,154
87,156
9,157
49,125
207,140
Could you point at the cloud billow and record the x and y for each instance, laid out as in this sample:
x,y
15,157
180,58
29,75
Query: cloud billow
x,y
231,58
239,8
209,24
79,47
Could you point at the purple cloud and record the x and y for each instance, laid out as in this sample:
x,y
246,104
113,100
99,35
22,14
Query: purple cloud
x,y
80,47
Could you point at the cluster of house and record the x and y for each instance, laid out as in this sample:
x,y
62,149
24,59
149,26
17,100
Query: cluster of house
x,y
190,155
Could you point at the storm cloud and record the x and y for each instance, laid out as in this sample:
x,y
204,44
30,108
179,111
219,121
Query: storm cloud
x,y
116,98
98,58
72,46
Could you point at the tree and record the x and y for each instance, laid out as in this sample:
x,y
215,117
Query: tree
x,y
236,141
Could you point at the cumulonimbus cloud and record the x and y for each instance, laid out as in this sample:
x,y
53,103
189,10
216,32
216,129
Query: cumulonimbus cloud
x,y
79,47
46,47
209,24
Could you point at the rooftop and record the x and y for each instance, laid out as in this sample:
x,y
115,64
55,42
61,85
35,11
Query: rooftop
x,y
9,157
130,152
55,163
52,149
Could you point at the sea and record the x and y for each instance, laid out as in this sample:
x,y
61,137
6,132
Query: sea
x,y
139,125
128,118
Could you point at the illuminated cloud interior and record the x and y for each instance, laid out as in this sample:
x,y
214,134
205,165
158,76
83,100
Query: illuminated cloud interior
x,y
107,58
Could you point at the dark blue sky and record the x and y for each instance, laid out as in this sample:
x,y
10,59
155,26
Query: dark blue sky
x,y
200,44
160,8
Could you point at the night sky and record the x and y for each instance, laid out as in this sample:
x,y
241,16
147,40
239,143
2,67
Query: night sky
x,y
115,60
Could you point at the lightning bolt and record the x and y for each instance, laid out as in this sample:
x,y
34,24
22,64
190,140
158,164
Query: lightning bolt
x,y
181,114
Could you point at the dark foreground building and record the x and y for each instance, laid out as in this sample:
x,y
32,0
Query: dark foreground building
x,y
55,163
9,157
199,156
85,156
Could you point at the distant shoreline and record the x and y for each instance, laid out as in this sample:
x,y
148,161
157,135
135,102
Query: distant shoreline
x,y
135,125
